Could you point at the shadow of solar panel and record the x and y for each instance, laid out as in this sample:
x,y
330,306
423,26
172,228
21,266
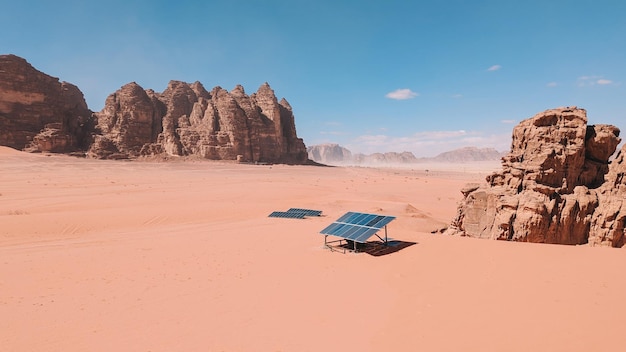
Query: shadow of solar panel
x,y
287,214
358,227
307,212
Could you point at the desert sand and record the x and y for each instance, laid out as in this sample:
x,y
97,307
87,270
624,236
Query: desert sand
x,y
182,256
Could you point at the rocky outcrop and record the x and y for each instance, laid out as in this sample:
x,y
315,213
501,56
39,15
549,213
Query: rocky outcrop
x,y
186,119
551,187
131,117
39,113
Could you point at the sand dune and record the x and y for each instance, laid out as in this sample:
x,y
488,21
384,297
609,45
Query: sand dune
x,y
181,256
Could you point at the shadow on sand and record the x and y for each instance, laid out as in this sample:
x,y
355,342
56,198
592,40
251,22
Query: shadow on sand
x,y
377,248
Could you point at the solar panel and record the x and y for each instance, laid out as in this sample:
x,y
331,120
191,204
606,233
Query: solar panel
x,y
307,212
295,213
287,214
357,227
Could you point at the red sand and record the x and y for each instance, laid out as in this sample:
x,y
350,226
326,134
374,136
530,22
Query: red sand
x,y
181,256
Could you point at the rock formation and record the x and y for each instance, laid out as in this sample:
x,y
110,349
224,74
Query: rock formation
x,y
186,119
551,188
38,113
332,154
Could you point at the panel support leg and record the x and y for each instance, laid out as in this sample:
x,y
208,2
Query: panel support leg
x,y
385,235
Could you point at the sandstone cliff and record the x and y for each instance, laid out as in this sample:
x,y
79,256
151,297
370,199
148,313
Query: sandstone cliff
x,y
38,113
609,220
186,119
551,188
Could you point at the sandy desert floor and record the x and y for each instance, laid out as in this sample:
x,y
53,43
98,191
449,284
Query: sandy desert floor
x,y
181,256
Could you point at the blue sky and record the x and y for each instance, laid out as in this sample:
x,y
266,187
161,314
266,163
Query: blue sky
x,y
418,76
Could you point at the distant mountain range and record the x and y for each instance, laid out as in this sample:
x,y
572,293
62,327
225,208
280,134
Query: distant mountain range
x,y
334,154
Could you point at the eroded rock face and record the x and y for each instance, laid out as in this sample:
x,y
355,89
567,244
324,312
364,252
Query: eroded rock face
x,y
186,119
609,220
551,187
39,113
130,118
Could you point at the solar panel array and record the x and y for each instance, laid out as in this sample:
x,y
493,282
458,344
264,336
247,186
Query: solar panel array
x,y
307,212
295,213
286,214
358,227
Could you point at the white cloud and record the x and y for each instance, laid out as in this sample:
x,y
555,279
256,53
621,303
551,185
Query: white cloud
x,y
402,94
552,84
494,68
332,133
440,135
584,81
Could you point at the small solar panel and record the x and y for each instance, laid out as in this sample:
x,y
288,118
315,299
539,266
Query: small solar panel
x,y
307,212
287,214
295,213
358,227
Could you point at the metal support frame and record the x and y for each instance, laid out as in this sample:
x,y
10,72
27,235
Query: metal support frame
x,y
333,248
385,240
327,244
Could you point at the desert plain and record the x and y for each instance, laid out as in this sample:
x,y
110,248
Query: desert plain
x,y
147,255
